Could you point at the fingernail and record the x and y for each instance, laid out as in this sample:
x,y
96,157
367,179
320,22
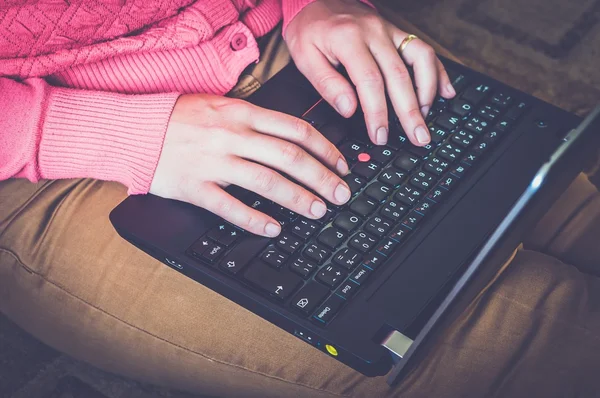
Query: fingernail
x,y
342,103
342,167
381,136
450,89
342,193
272,230
318,208
425,110
422,135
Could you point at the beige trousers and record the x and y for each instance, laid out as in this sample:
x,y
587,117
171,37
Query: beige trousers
x,y
68,279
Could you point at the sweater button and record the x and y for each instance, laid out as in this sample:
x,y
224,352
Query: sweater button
x,y
239,42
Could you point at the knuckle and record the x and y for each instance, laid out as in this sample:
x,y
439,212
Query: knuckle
x,y
427,53
400,72
372,77
332,153
291,154
303,130
414,115
327,179
347,29
327,83
297,199
265,180
223,206
251,222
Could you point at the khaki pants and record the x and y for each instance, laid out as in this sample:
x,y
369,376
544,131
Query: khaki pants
x,y
68,279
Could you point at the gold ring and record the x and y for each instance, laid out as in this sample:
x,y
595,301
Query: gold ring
x,y
405,42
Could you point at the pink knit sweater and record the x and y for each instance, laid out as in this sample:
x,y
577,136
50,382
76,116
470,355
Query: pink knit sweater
x,y
87,87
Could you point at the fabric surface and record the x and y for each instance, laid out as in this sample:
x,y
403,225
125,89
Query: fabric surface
x,y
155,49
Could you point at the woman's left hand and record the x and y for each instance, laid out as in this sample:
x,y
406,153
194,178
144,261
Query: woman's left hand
x,y
329,32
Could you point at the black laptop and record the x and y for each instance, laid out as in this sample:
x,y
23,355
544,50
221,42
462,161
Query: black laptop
x,y
367,283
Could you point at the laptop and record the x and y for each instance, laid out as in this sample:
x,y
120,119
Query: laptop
x,y
373,280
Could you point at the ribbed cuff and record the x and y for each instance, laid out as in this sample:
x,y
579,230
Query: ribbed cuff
x,y
292,7
106,136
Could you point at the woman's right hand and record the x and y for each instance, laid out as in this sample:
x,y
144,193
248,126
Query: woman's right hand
x,y
212,142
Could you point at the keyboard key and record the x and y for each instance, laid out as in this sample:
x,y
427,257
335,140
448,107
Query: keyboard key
x,y
459,170
274,257
302,267
421,151
406,161
309,297
480,148
461,107
458,80
360,275
422,180
331,237
381,154
347,221
470,158
351,149
436,166
489,112
377,226
347,290
224,234
387,247
241,254
412,220
367,170
463,138
200,247
363,205
378,191
347,258
438,134
355,183
504,124
399,233
392,176
393,210
492,136
330,276
424,207
362,242
213,252
397,137
317,253
280,284
516,111
327,310
437,194
303,228
408,195
448,182
374,260
447,120
288,242
501,100
476,93
477,125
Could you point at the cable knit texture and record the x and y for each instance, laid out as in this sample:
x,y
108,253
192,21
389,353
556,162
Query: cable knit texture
x,y
88,86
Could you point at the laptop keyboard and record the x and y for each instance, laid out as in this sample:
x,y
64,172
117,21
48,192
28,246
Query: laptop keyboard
x,y
314,267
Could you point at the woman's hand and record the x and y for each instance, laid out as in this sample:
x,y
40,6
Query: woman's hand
x,y
214,141
330,32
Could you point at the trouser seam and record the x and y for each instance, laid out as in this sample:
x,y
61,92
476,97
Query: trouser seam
x,y
45,279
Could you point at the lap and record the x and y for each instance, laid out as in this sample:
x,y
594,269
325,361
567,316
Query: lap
x,y
70,280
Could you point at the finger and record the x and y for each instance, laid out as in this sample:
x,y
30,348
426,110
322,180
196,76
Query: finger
x,y
446,88
213,198
422,59
400,90
299,132
272,185
295,162
366,76
332,86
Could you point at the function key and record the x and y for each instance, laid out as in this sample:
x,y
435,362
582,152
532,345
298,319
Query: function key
x,y
330,276
476,93
399,233
381,154
448,182
374,260
437,195
347,258
387,247
302,267
406,161
355,183
412,220
327,310
447,120
460,170
368,170
424,207
279,284
347,221
274,257
351,149
317,253
392,176
461,107
307,298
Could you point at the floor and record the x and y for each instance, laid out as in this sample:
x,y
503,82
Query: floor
x,y
545,47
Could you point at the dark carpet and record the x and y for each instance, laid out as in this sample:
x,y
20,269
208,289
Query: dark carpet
x,y
549,48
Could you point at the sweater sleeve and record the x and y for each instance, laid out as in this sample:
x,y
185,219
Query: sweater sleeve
x,y
54,133
292,7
